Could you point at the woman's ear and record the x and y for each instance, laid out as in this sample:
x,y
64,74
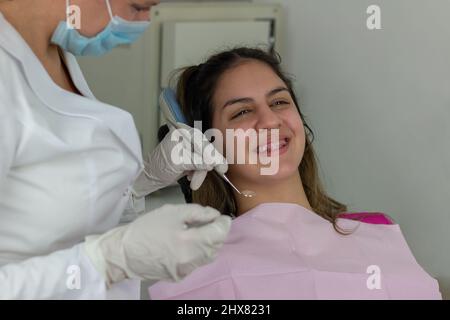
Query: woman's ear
x,y
183,182
185,185
162,132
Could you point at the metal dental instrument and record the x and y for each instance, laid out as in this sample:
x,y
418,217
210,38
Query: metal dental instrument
x,y
245,193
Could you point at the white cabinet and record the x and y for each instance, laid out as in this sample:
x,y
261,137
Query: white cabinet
x,y
188,43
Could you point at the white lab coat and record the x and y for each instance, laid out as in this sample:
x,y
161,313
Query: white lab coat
x,y
67,165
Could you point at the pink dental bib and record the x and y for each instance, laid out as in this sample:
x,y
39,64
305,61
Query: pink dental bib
x,y
285,251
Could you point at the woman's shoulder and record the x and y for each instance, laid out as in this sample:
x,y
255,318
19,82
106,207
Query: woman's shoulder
x,y
368,217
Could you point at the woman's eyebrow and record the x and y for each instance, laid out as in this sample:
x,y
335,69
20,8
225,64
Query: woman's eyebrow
x,y
237,100
248,100
275,91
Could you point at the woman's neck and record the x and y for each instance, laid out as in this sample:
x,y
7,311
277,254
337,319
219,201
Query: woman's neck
x,y
288,190
35,24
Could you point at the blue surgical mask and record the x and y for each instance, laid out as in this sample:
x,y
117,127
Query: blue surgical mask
x,y
117,32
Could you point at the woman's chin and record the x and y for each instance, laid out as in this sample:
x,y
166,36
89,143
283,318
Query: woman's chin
x,y
262,174
259,173
284,171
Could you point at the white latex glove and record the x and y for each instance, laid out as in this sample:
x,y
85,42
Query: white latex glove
x,y
165,244
165,166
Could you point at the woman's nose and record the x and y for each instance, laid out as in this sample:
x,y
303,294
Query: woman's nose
x,y
267,119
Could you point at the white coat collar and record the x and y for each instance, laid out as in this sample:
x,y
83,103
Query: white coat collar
x,y
62,101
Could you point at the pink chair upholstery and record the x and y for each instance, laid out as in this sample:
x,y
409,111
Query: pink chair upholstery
x,y
369,217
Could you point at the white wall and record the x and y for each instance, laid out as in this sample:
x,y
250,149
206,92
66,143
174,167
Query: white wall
x,y
379,104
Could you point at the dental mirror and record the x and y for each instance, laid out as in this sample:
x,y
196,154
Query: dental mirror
x,y
244,193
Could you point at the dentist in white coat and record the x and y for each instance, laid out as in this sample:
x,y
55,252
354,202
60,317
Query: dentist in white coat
x,y
70,165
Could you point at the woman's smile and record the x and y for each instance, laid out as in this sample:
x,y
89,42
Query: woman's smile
x,y
272,148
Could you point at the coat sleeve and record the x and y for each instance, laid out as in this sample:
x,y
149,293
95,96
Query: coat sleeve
x,y
65,274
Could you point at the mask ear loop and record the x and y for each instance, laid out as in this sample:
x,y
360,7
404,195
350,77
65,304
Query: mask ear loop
x,y
108,4
67,14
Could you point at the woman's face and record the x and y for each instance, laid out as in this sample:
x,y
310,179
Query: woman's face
x,y
95,16
252,96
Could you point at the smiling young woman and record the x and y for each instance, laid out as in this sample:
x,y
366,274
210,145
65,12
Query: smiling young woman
x,y
245,88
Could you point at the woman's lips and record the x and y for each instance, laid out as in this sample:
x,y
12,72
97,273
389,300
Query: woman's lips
x,y
279,147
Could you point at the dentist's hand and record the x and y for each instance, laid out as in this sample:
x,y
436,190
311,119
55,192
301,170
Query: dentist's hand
x,y
165,244
183,151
